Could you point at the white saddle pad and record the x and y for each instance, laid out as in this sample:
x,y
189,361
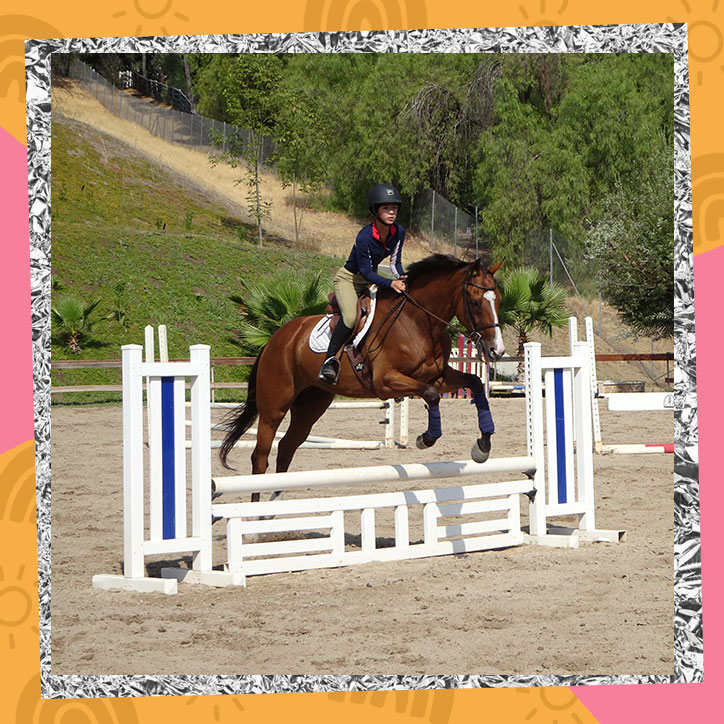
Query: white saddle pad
x,y
319,336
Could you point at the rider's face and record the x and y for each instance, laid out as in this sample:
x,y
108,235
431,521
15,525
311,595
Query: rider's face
x,y
387,213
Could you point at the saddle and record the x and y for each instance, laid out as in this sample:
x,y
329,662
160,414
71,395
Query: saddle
x,y
355,358
363,309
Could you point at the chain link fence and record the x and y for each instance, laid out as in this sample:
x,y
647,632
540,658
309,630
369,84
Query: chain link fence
x,y
563,261
445,227
174,126
155,89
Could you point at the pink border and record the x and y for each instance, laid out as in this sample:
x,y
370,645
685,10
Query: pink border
x,y
674,703
690,702
16,362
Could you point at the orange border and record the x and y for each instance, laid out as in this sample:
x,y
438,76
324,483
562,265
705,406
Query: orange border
x,y
19,657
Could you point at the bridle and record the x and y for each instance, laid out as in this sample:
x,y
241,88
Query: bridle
x,y
475,337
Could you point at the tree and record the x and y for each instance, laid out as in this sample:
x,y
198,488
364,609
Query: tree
x,y
529,176
246,95
269,303
302,139
530,302
189,83
447,118
633,246
72,319
565,133
612,112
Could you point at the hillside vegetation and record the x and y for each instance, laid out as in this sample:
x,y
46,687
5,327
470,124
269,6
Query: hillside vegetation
x,y
157,247
133,235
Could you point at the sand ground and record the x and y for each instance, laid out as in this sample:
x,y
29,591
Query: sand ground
x,y
598,609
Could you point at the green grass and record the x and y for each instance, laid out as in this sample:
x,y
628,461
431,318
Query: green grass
x,y
125,230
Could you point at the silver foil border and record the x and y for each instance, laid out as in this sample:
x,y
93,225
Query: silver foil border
x,y
654,38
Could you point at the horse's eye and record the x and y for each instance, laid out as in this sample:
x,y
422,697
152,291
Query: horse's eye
x,y
475,303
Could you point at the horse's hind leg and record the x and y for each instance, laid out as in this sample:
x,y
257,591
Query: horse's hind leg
x,y
454,379
309,406
266,430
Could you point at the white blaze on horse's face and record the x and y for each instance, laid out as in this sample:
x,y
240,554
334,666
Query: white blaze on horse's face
x,y
497,349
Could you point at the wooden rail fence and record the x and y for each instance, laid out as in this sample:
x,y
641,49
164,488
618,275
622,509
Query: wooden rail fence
x,y
247,361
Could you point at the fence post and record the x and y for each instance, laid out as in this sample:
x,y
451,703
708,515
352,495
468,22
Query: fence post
x,y
432,223
550,257
455,233
476,233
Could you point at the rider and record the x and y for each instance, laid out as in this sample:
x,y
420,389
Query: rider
x,y
375,242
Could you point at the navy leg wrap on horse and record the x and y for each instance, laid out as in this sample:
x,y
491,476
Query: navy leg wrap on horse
x,y
434,426
485,419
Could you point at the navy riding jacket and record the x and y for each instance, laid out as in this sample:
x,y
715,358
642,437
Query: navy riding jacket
x,y
368,251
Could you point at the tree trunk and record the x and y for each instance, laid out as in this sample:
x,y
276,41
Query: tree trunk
x,y
189,87
258,143
522,340
294,207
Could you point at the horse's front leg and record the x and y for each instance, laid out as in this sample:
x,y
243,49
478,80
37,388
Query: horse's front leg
x,y
455,379
396,384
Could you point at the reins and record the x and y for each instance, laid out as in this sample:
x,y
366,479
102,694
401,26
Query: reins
x,y
473,335
396,309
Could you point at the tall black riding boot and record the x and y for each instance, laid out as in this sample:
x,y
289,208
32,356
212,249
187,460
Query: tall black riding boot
x,y
330,369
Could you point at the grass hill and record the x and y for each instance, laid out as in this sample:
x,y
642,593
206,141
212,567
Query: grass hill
x,y
130,233
158,236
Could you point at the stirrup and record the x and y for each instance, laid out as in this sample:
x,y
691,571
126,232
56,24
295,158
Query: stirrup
x,y
330,370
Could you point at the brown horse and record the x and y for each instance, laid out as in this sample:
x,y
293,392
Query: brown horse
x,y
407,350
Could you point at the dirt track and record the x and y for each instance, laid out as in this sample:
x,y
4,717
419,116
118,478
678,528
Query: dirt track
x,y
600,609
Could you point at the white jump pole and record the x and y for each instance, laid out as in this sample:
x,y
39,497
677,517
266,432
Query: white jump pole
x,y
371,474
566,488
167,470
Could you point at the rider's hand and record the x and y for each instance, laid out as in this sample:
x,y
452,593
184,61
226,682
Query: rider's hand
x,y
398,285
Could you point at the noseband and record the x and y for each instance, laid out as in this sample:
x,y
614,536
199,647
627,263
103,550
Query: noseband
x,y
475,335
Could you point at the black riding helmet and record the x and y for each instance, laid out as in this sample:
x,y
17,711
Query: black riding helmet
x,y
382,194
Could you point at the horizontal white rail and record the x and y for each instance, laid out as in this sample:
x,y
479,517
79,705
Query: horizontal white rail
x,y
360,405
629,401
372,474
640,448
454,495
331,444
550,363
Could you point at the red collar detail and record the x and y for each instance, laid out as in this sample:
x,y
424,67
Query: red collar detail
x,y
376,233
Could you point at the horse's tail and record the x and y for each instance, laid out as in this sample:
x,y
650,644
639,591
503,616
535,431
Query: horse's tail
x,y
241,419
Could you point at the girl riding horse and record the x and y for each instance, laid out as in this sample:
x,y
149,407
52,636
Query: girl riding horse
x,y
407,350
375,242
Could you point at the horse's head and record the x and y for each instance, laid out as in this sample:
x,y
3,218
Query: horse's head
x,y
480,301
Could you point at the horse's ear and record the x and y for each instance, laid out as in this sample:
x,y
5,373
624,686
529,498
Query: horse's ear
x,y
494,267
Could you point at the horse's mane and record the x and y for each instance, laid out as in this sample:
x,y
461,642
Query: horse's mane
x,y
437,263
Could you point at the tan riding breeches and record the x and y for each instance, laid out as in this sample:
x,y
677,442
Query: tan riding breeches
x,y
348,287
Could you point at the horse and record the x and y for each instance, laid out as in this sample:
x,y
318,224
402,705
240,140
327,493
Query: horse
x,y
407,350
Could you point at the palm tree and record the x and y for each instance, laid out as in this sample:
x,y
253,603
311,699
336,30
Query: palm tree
x,y
530,302
71,317
269,303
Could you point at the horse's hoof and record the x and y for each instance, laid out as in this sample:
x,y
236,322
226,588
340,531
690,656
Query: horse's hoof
x,y
424,441
481,448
